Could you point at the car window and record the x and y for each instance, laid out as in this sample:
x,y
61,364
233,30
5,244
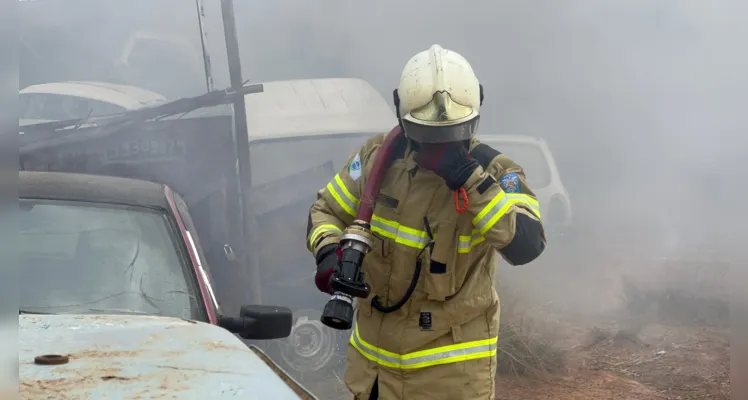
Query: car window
x,y
89,258
54,107
531,158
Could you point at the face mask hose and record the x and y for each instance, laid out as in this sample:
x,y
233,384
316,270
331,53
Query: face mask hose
x,y
348,277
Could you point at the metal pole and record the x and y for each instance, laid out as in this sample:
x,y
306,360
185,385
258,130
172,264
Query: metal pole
x,y
241,144
206,56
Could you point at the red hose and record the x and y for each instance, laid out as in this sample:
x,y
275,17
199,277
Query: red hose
x,y
376,176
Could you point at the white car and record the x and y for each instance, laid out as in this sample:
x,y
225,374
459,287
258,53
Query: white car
x,y
534,156
59,101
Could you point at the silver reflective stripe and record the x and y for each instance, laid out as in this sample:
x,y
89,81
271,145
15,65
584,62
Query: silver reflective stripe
x,y
320,230
481,224
373,354
466,243
526,200
463,245
407,362
342,193
399,235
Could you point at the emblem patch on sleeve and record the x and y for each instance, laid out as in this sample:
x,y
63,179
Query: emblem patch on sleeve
x,y
511,183
355,169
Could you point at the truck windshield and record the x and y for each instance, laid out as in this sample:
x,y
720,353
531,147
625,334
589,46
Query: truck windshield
x,y
92,258
532,160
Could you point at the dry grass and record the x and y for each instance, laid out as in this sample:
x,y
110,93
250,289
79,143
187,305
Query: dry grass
x,y
680,362
522,349
524,353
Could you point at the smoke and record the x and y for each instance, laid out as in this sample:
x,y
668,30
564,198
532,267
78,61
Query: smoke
x,y
638,99
634,97
641,101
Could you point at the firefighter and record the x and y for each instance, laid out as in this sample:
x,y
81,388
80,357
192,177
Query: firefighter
x,y
448,205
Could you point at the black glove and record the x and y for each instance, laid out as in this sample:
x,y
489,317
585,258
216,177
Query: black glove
x,y
327,260
451,161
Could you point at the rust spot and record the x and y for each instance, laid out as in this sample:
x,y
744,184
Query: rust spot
x,y
51,359
153,338
83,377
219,346
165,383
111,377
69,388
106,354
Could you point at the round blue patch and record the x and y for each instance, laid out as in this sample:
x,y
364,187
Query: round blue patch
x,y
511,183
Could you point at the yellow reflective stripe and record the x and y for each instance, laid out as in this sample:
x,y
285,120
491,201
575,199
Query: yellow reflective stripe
x,y
500,204
347,202
399,233
425,358
320,230
466,243
526,200
345,191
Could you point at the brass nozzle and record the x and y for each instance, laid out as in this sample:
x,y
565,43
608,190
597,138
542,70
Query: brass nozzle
x,y
357,236
358,228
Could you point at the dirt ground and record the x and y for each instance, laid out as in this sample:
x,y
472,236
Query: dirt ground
x,y
677,350
617,344
663,362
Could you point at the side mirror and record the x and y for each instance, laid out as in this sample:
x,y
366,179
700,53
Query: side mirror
x,y
259,322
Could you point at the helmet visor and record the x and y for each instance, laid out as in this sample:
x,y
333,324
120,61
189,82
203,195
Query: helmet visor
x,y
441,133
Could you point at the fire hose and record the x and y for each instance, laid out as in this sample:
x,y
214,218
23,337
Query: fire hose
x,y
347,280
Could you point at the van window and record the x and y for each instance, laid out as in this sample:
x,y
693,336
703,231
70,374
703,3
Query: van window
x,y
286,175
55,107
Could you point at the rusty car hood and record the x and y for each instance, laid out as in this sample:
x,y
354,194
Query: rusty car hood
x,y
125,356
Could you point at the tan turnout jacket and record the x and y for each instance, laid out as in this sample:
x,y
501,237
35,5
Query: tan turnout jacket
x,y
442,343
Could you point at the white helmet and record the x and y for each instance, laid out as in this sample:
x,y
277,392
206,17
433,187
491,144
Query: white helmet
x,y
439,97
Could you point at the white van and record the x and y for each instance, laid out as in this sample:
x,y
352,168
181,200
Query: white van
x,y
60,101
301,133
535,157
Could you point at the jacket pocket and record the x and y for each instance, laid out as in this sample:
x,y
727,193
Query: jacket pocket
x,y
439,270
380,247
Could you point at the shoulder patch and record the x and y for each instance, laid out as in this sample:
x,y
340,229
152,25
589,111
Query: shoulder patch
x,y
511,183
355,169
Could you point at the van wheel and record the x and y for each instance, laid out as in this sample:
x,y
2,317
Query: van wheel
x,y
312,349
556,220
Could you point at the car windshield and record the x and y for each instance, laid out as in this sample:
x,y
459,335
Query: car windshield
x,y
92,258
286,176
532,160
